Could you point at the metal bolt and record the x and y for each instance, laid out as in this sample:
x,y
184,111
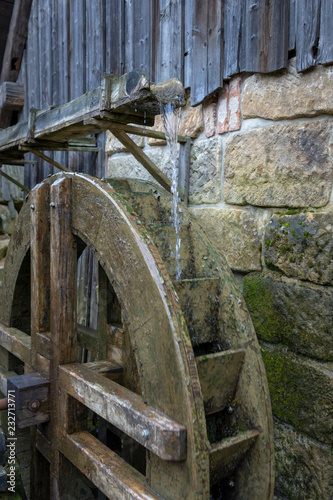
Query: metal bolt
x,y
52,204
32,207
145,433
34,405
231,484
230,409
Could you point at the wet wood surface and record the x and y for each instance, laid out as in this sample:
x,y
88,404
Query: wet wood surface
x,y
219,374
124,409
118,479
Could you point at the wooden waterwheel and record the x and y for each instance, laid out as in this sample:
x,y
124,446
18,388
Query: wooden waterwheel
x,y
172,402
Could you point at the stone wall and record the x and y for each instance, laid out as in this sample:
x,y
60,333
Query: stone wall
x,y
261,181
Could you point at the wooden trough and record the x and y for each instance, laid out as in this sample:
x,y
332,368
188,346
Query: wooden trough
x,y
173,403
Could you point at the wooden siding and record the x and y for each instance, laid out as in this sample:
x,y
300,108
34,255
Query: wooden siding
x,y
71,43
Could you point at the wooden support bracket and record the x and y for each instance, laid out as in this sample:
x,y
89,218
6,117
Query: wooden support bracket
x,y
29,394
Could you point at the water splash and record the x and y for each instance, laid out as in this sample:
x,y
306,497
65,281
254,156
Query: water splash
x,y
171,117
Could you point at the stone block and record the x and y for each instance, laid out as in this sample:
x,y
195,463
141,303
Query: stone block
x,y
290,94
7,224
125,165
210,117
303,466
293,313
301,391
280,165
191,124
205,171
235,234
113,146
4,242
301,246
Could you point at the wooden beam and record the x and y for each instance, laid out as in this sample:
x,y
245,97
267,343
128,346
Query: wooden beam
x,y
111,474
4,376
16,342
125,410
143,158
48,160
11,96
15,44
16,39
144,132
14,181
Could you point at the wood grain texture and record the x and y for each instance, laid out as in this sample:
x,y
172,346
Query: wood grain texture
x,y
307,34
125,409
118,480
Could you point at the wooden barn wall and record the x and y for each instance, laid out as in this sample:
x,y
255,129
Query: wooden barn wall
x,y
71,43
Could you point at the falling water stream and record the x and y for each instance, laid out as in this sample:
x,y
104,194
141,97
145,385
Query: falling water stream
x,y
171,117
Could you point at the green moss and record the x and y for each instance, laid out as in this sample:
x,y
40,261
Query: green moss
x,y
259,299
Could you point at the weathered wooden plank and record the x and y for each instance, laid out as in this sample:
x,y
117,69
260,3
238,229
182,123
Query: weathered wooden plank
x,y
125,409
15,40
40,263
218,375
95,59
118,481
16,342
63,306
43,344
187,27
170,41
292,25
140,16
215,46
307,33
4,375
114,37
325,49
199,70
226,454
143,158
102,309
233,40
11,96
265,31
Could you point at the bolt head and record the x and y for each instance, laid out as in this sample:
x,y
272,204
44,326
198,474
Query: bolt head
x,y
231,484
34,405
145,433
52,204
32,207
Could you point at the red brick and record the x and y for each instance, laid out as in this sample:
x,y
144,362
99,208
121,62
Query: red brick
x,y
210,117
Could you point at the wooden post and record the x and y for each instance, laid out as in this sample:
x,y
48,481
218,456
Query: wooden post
x,y
40,319
63,311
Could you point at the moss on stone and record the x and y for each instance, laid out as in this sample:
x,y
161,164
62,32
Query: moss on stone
x,y
259,300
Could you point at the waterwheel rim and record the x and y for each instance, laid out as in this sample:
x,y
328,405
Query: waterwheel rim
x,y
125,249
